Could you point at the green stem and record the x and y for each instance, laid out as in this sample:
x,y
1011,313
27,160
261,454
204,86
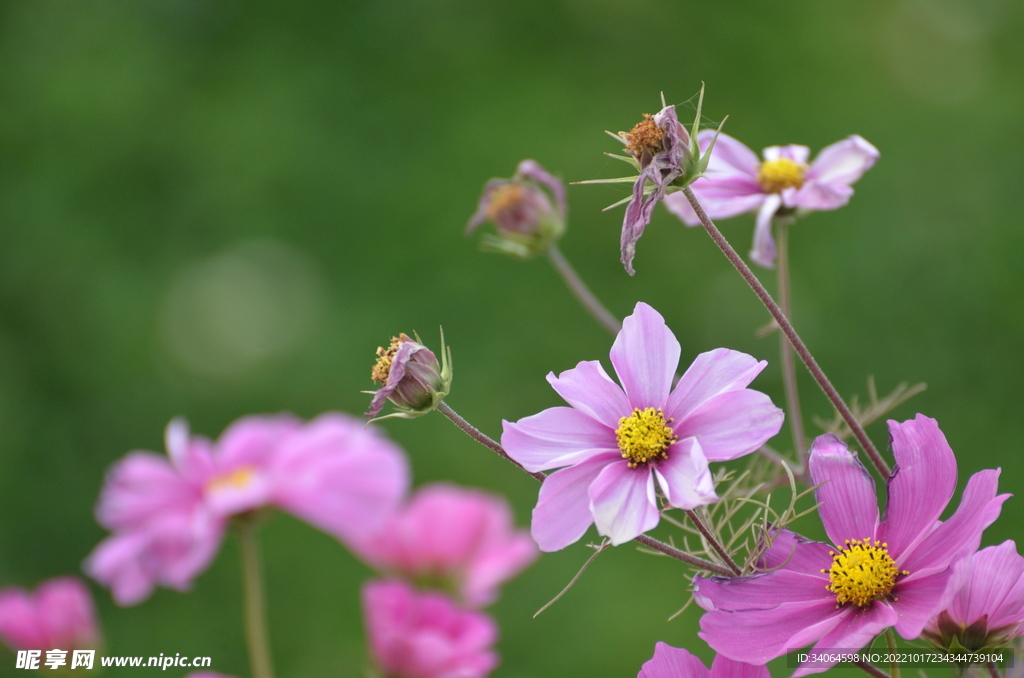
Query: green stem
x,y
582,292
796,420
255,608
890,641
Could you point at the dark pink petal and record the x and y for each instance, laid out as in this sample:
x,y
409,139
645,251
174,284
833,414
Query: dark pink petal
x,y
993,585
849,508
794,152
843,162
795,553
961,534
556,437
917,601
818,196
685,477
710,374
645,355
589,389
20,625
623,503
856,629
763,251
758,636
673,662
723,667
563,513
761,591
732,424
921,484
65,608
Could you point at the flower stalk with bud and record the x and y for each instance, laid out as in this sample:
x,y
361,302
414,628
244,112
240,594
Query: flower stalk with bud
x,y
411,378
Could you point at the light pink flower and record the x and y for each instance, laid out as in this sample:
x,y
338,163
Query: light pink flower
x,y
616,443
58,614
987,608
674,662
736,182
819,593
168,515
455,539
424,635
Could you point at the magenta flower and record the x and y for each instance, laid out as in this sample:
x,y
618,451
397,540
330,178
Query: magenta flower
x,y
459,540
58,615
168,515
614,445
882,572
424,635
736,182
674,662
987,608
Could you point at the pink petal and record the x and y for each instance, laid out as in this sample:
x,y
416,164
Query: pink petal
x,y
843,162
645,355
961,534
685,477
758,636
818,196
563,512
729,156
66,610
672,662
849,509
556,437
115,563
723,667
761,591
589,389
763,251
854,631
725,199
622,501
711,373
793,552
919,600
921,484
994,586
794,152
732,424
252,440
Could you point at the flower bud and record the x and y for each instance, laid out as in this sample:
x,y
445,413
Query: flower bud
x,y
526,223
411,378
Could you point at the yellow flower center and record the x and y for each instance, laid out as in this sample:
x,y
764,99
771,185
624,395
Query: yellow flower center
x,y
235,480
645,136
644,436
382,368
780,174
862,573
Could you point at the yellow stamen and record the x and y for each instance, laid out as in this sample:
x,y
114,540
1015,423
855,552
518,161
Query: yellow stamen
x,y
645,136
382,368
644,436
862,573
234,480
505,198
777,175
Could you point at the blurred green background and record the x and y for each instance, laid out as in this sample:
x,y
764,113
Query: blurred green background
x,y
211,209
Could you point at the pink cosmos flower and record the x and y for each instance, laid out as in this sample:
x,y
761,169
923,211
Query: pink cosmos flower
x,y
736,182
454,539
674,662
987,608
58,614
424,635
615,444
882,572
168,515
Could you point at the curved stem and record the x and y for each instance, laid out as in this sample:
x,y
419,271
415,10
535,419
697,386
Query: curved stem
x,y
650,542
255,608
890,641
796,420
794,338
582,292
710,538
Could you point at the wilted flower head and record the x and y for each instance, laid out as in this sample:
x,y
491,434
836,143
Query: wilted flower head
x,y
168,514
459,540
675,662
987,609
521,210
737,182
410,377
888,570
58,614
615,444
424,635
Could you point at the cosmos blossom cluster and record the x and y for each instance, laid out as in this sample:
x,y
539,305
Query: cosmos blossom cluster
x,y
667,440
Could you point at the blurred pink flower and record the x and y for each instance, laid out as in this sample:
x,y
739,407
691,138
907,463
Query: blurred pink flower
x,y
460,540
616,442
674,662
58,615
988,601
736,182
820,593
424,635
168,515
